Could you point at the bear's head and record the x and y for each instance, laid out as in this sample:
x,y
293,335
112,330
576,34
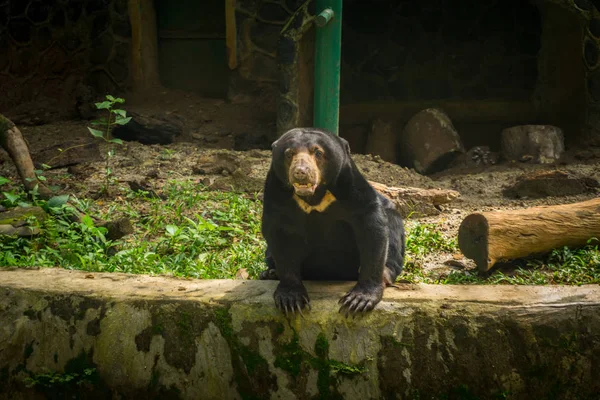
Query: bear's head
x,y
308,158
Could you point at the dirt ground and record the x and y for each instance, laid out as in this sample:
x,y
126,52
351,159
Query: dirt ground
x,y
212,128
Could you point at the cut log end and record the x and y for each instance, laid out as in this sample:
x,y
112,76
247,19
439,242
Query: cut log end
x,y
473,240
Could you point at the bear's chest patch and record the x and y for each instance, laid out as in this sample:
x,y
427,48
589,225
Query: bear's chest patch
x,y
325,202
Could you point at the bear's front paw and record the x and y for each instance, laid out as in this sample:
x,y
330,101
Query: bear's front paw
x,y
361,298
268,275
291,298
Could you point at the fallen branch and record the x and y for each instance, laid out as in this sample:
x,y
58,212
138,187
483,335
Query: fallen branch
x,y
416,201
12,141
490,237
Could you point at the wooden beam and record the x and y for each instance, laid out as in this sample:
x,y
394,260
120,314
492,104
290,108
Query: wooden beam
x,y
230,34
144,44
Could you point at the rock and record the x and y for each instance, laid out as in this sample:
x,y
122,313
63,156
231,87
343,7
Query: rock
x,y
140,185
382,140
14,221
73,152
18,216
541,144
585,155
429,141
535,185
118,228
155,129
22,231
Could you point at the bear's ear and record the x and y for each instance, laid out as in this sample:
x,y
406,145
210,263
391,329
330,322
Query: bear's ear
x,y
345,144
274,144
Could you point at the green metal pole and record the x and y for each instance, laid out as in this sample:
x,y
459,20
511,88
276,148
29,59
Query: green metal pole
x,y
328,52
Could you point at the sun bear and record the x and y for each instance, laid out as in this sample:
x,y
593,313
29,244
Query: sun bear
x,y
322,220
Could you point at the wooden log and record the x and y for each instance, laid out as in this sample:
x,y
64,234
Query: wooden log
x,y
12,141
490,237
416,201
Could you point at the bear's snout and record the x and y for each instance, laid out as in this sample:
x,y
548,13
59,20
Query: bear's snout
x,y
301,172
304,174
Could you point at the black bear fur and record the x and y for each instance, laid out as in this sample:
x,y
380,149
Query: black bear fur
x,y
358,237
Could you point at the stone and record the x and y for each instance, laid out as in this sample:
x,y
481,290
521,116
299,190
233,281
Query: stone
x,y
285,112
19,30
262,67
593,85
429,141
93,6
100,25
59,19
286,50
118,69
273,13
594,27
71,42
145,336
117,229
584,5
4,16
42,39
22,231
38,12
4,53
382,140
150,129
540,184
121,7
541,144
101,49
101,82
25,62
122,28
265,36
18,216
74,9
590,53
17,7
54,60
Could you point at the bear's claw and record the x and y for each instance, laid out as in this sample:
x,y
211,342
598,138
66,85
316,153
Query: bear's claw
x,y
291,299
360,299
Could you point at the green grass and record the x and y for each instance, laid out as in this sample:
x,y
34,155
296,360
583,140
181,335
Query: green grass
x,y
194,232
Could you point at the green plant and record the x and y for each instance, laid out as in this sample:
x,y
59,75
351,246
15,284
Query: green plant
x,y
423,239
115,116
54,380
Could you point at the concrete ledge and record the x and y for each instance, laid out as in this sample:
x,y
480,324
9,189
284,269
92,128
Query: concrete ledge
x,y
130,336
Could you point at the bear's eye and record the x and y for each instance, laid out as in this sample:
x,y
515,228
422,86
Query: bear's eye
x,y
289,153
319,153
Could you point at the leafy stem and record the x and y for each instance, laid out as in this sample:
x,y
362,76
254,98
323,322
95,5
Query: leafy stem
x,y
115,117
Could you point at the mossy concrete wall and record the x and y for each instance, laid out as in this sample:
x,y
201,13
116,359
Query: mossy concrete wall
x,y
89,335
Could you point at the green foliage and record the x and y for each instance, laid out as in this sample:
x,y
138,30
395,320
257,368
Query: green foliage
x,y
53,380
192,233
115,116
424,239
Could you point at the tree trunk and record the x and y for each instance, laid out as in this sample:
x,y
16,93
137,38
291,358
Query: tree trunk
x,y
12,141
416,201
506,235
